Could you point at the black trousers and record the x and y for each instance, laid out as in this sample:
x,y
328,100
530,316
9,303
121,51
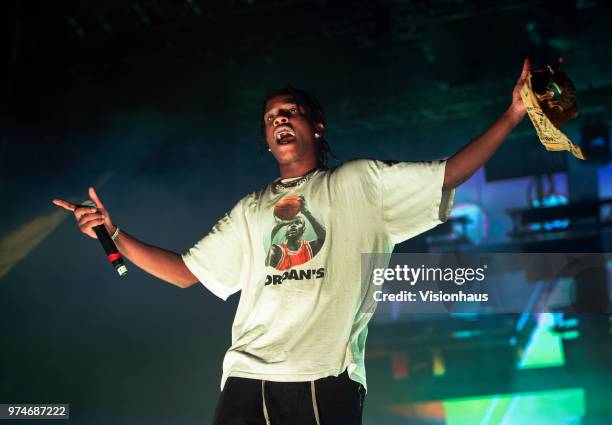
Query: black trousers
x,y
337,401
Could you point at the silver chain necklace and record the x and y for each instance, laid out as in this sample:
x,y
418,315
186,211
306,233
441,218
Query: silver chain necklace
x,y
279,186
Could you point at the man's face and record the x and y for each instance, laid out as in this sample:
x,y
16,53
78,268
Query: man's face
x,y
295,230
289,133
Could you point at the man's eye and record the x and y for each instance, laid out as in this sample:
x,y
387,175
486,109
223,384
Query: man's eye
x,y
293,110
270,118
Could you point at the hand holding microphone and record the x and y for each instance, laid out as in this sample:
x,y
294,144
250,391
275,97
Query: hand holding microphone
x,y
95,222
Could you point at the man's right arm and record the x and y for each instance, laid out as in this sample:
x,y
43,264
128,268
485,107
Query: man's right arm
x,y
161,263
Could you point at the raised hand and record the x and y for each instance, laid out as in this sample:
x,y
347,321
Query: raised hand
x,y
89,217
517,106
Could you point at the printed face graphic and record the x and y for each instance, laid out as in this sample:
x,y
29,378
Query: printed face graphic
x,y
296,237
295,230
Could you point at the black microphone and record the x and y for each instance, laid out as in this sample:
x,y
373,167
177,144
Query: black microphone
x,y
112,253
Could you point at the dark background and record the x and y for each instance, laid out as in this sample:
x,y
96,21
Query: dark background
x,y
157,103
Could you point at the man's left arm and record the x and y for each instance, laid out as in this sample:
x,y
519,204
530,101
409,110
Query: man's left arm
x,y
472,156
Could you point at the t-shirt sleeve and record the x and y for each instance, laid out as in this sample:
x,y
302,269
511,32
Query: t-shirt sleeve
x,y
216,260
412,197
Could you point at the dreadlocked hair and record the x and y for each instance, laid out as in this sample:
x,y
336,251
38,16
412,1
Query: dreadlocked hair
x,y
313,111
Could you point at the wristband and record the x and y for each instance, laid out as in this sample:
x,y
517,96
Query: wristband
x,y
115,233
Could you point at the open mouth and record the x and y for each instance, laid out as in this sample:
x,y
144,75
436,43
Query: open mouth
x,y
284,135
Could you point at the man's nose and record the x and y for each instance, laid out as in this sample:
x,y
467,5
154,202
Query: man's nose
x,y
280,119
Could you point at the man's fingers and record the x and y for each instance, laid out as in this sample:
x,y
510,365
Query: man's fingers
x,y
88,226
94,197
81,211
86,218
64,204
526,69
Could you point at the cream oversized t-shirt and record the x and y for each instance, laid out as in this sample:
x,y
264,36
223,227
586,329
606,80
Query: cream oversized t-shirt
x,y
299,318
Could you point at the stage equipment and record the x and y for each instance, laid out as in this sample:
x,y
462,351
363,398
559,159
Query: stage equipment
x,y
595,143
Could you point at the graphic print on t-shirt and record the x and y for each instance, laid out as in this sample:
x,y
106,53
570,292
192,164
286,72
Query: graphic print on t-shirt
x,y
296,237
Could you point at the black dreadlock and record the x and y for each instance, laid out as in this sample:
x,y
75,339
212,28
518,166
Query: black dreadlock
x,y
313,111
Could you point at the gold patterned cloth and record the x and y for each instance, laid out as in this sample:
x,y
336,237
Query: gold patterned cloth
x,y
547,113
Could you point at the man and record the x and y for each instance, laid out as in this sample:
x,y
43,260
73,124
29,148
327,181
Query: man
x,y
295,251
298,347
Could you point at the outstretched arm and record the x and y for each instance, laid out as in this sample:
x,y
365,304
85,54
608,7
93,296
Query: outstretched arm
x,y
161,263
472,156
